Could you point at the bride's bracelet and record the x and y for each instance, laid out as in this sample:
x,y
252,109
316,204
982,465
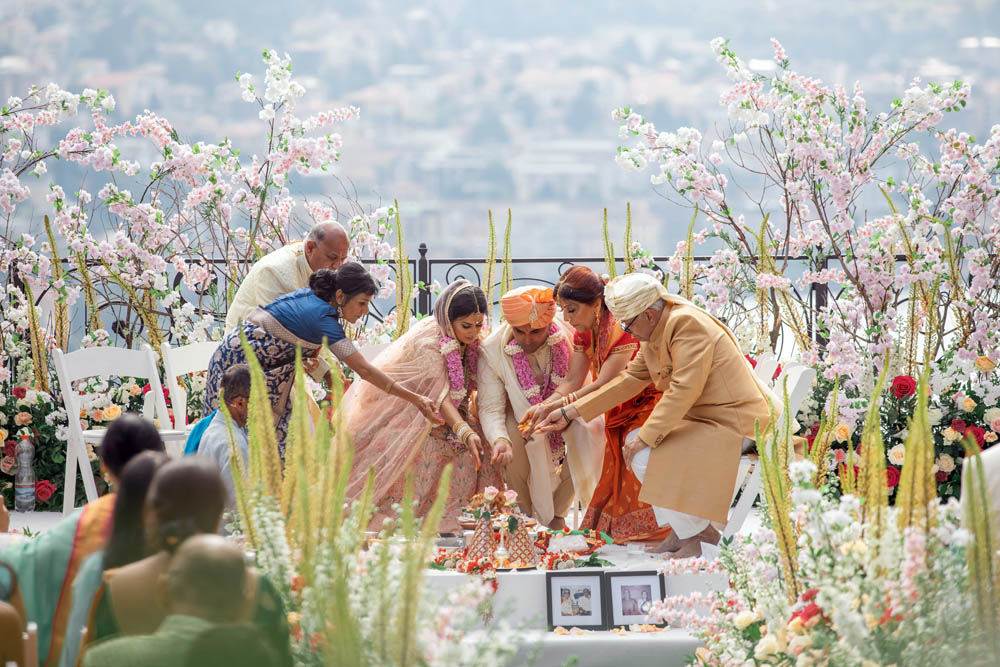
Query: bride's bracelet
x,y
568,399
462,431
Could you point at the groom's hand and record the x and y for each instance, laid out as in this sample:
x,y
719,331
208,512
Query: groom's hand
x,y
632,447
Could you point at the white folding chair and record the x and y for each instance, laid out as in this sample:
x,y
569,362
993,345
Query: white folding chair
x,y
178,361
102,362
766,365
800,380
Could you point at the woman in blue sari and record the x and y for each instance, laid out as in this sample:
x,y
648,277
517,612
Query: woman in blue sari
x,y
305,318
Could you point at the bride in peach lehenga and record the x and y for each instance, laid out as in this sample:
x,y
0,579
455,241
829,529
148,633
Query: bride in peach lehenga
x,y
436,358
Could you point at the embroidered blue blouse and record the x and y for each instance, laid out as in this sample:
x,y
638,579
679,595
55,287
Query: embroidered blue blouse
x,y
307,316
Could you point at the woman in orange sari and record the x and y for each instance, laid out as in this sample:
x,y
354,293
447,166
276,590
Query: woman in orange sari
x,y
601,347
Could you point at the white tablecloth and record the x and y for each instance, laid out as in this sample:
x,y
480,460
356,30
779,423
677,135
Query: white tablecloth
x,y
599,649
520,597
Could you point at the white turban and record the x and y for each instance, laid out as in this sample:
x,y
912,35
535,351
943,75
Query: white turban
x,y
627,296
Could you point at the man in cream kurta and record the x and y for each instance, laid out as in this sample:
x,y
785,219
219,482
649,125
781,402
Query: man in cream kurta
x,y
288,269
687,452
544,489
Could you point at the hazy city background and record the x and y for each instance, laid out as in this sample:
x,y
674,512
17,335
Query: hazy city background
x,y
468,106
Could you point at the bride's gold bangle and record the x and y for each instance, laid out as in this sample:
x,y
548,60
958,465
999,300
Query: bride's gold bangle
x,y
388,389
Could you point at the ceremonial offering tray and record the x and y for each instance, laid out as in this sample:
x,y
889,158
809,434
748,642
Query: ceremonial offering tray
x,y
578,542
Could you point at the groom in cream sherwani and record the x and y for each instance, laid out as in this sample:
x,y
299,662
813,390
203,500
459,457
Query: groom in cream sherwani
x,y
545,485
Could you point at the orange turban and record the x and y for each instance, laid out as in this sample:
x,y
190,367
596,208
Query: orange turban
x,y
528,305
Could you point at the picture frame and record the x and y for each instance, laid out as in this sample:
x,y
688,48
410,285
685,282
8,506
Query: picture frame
x,y
576,599
628,595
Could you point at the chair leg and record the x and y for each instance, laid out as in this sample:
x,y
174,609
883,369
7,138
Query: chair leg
x,y
87,475
69,480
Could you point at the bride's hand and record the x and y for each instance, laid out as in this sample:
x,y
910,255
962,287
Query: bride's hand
x,y
475,445
310,364
427,409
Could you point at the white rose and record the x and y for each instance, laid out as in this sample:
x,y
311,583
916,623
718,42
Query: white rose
x,y
897,455
744,618
767,646
991,415
945,463
950,434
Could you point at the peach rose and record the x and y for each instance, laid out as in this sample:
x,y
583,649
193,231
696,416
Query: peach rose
x,y
842,432
985,364
968,405
950,434
97,415
3,434
135,390
112,412
990,437
22,418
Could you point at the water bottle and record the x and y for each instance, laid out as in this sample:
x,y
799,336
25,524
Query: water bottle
x,y
24,480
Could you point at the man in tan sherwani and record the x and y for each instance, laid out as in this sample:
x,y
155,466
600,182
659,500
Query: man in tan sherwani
x,y
687,453
546,482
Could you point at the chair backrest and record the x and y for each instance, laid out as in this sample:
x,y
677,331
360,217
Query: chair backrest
x,y
799,380
186,359
765,368
104,362
177,361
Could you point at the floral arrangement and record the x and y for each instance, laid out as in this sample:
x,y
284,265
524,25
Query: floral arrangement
x,y
462,369
910,278
851,580
202,202
34,413
965,401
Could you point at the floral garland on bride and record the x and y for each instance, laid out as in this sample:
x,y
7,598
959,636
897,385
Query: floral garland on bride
x,y
461,368
535,392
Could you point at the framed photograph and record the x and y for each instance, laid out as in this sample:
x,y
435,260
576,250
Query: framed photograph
x,y
575,600
629,595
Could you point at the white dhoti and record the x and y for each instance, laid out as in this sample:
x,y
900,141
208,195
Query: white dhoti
x,y
683,525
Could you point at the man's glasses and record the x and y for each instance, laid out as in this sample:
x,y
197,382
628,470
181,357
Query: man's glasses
x,y
627,328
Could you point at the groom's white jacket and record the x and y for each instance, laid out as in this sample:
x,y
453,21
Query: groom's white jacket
x,y
498,388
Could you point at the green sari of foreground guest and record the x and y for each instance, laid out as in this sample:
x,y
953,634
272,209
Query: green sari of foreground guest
x,y
46,566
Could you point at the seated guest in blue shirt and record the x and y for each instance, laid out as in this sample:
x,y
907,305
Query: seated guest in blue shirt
x,y
305,318
214,445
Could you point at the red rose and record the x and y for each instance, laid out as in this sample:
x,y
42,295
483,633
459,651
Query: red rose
x,y
777,372
891,476
752,361
959,425
941,476
10,448
977,433
145,389
903,386
44,490
810,610
20,392
810,594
